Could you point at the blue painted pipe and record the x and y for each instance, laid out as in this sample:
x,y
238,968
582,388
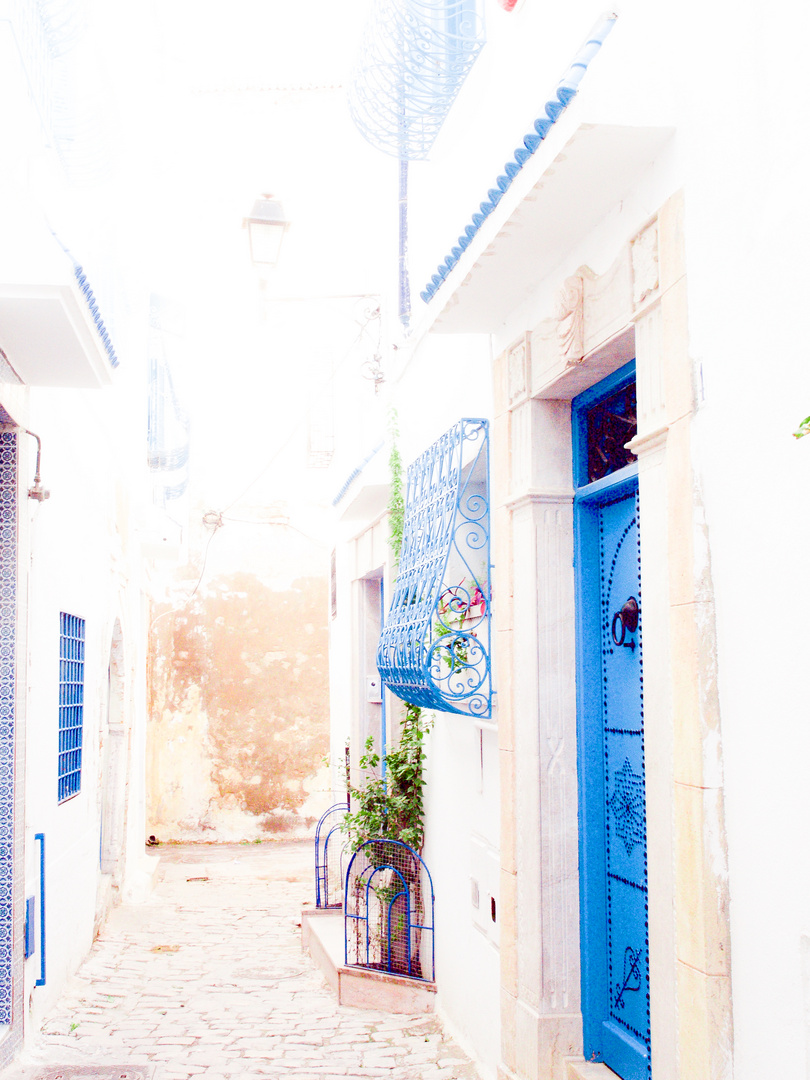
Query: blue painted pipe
x,y
41,838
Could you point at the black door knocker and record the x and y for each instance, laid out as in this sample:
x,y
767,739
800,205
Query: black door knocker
x,y
624,621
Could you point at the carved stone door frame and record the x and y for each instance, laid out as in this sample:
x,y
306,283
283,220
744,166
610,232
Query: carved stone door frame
x,y
637,307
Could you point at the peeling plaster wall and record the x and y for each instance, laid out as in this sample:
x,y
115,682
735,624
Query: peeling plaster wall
x,y
239,711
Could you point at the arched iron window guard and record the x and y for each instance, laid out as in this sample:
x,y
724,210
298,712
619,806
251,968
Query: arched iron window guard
x,y
435,646
329,853
414,58
388,911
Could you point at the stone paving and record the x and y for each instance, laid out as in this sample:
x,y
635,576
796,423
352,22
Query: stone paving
x,y
207,979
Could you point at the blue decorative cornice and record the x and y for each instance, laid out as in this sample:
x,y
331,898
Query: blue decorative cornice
x,y
92,306
564,94
90,300
350,479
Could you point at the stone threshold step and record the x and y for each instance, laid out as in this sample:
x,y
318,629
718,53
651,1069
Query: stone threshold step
x,y
322,936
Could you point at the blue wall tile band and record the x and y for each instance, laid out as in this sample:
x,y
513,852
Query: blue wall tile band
x,y
564,94
8,622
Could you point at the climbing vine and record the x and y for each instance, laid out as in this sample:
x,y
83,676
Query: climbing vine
x,y
396,498
392,808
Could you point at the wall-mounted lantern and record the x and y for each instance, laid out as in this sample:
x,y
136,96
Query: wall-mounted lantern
x,y
266,227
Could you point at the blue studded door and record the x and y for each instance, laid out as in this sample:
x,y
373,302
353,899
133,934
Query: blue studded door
x,y
613,835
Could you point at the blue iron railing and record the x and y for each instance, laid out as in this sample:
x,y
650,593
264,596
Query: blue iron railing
x,y
435,647
389,911
329,853
414,59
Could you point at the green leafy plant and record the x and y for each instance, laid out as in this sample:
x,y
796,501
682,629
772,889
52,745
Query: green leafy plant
x,y
393,808
803,428
396,497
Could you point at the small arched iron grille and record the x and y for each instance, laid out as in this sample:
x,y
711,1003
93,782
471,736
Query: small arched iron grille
x,y
388,911
329,857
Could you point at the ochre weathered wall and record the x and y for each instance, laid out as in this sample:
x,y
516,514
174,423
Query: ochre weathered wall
x,y
239,711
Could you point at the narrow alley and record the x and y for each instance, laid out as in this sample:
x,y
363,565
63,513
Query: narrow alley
x,y
207,978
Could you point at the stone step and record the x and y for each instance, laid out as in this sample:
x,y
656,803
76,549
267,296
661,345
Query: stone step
x,y
322,935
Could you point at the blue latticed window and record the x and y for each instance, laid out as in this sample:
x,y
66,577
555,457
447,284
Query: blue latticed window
x,y
434,649
71,704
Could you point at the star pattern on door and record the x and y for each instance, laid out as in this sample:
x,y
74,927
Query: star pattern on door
x,y
627,806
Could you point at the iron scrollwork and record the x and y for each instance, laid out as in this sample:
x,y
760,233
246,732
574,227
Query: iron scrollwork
x,y
414,59
434,649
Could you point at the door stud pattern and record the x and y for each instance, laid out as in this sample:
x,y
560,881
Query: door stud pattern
x,y
624,805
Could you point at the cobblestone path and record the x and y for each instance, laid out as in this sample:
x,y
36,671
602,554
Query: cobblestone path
x,y
207,978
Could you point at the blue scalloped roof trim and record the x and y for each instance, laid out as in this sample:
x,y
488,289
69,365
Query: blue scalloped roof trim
x,y
350,479
90,299
92,305
565,93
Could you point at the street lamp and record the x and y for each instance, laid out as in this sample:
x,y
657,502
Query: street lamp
x,y
266,227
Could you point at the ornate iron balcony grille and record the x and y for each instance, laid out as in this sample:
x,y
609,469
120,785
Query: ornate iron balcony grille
x,y
434,649
414,58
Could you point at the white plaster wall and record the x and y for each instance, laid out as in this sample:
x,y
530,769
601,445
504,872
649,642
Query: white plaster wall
x,y
84,562
731,84
78,552
443,379
637,79
462,848
431,388
747,241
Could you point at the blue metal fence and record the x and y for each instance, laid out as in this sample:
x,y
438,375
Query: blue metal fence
x,y
389,911
329,850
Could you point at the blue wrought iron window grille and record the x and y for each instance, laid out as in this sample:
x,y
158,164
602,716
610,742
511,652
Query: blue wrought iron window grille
x,y
603,422
71,704
414,59
435,647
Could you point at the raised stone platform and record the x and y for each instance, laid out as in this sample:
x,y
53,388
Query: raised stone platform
x,y
322,936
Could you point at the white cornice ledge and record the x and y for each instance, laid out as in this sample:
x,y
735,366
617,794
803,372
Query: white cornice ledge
x,y
649,441
539,498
